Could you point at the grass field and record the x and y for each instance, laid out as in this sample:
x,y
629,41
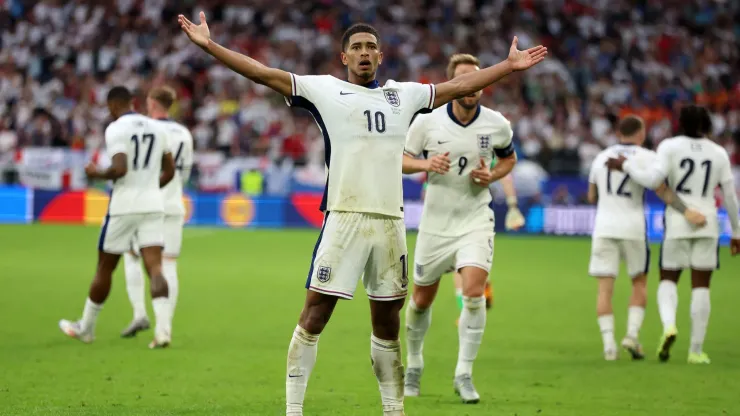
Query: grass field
x,y
240,296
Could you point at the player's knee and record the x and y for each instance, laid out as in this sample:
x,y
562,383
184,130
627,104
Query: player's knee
x,y
314,319
474,303
422,297
700,279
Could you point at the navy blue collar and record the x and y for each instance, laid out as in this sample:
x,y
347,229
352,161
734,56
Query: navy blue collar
x,y
371,85
128,113
453,118
164,119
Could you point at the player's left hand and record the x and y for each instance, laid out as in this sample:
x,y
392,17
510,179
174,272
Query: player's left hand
x,y
91,169
514,219
482,174
616,164
521,60
735,246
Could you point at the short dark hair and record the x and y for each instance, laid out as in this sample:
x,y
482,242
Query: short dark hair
x,y
120,94
165,96
695,121
630,125
358,28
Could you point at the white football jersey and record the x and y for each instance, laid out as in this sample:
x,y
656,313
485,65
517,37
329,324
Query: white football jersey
x,y
181,147
694,168
364,130
144,142
454,205
620,210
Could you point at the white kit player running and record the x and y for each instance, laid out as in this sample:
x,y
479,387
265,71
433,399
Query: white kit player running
x,y
158,104
620,234
457,224
694,167
141,164
364,127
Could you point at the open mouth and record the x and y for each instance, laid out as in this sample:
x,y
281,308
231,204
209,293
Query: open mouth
x,y
365,64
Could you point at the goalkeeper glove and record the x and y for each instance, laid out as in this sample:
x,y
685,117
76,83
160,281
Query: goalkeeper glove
x,y
514,218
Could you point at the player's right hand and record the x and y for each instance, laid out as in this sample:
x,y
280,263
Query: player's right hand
x,y
199,34
616,164
90,169
439,163
695,217
735,246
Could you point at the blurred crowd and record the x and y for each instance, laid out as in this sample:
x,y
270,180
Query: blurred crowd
x,y
607,58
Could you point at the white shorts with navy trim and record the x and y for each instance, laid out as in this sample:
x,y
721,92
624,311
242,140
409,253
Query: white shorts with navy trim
x,y
353,245
120,231
690,253
436,255
608,253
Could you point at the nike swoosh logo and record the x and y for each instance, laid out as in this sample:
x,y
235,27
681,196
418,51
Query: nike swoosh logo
x,y
292,376
438,142
345,93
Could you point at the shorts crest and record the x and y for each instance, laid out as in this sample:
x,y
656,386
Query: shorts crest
x,y
392,97
323,274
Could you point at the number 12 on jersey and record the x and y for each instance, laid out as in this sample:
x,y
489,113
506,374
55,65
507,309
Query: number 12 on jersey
x,y
146,139
620,190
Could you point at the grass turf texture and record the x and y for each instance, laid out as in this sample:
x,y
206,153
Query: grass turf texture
x,y
240,296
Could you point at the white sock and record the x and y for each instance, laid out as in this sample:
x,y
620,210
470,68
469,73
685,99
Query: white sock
x,y
700,309
169,269
135,285
606,325
470,333
301,359
388,368
635,317
417,324
163,316
89,315
667,303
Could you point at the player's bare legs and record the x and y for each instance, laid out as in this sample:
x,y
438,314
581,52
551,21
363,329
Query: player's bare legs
x,y
605,316
169,268
385,353
459,293
700,310
418,320
635,317
84,329
470,330
135,287
160,303
667,306
317,311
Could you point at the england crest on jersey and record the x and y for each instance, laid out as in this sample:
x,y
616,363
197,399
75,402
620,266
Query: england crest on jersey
x,y
484,142
324,274
392,97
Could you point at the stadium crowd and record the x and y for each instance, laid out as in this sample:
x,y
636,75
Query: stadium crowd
x,y
608,58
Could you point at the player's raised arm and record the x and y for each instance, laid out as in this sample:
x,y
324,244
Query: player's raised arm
x,y
200,35
168,169
472,82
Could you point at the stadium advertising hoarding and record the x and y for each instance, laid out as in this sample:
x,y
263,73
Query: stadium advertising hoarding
x,y
236,210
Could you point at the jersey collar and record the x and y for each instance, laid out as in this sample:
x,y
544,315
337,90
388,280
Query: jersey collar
x,y
453,118
129,113
371,85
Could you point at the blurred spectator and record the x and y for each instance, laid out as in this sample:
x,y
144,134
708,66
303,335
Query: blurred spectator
x,y
607,59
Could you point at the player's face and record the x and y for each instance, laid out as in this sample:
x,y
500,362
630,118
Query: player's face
x,y
150,105
472,100
362,55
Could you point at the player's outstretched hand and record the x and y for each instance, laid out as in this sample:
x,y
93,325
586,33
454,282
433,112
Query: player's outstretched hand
x,y
735,246
695,217
439,163
521,60
482,174
198,34
615,164
91,169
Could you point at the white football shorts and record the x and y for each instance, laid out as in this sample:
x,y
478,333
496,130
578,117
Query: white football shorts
x,y
436,255
173,225
353,245
607,253
690,253
120,230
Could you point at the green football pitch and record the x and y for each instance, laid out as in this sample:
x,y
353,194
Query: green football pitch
x,y
240,295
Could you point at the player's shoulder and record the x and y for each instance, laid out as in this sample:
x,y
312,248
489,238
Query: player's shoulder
x,y
126,122
492,116
318,79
